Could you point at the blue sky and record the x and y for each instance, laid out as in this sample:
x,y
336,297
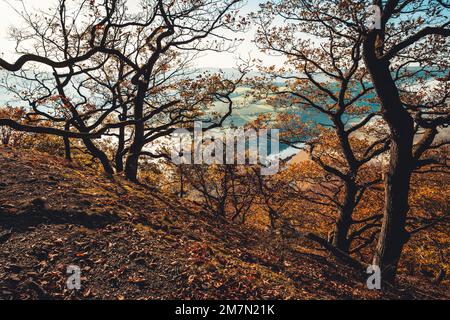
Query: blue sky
x,y
245,50
8,17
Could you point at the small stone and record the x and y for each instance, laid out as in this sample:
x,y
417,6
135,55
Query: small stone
x,y
4,236
140,261
40,202
86,202
14,268
14,278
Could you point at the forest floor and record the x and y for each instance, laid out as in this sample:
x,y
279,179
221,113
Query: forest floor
x,y
132,242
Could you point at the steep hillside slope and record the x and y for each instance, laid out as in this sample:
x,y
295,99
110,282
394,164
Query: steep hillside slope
x,y
133,242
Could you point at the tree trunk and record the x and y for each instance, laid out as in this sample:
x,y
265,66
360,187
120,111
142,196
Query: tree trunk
x,y
95,151
118,157
100,155
132,162
131,166
393,234
340,233
67,150
6,135
181,181
397,178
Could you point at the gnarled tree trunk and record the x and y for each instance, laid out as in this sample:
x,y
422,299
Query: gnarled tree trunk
x,y
132,162
67,149
393,235
344,222
118,157
100,155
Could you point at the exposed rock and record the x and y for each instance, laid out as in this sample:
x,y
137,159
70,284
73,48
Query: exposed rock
x,y
39,203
